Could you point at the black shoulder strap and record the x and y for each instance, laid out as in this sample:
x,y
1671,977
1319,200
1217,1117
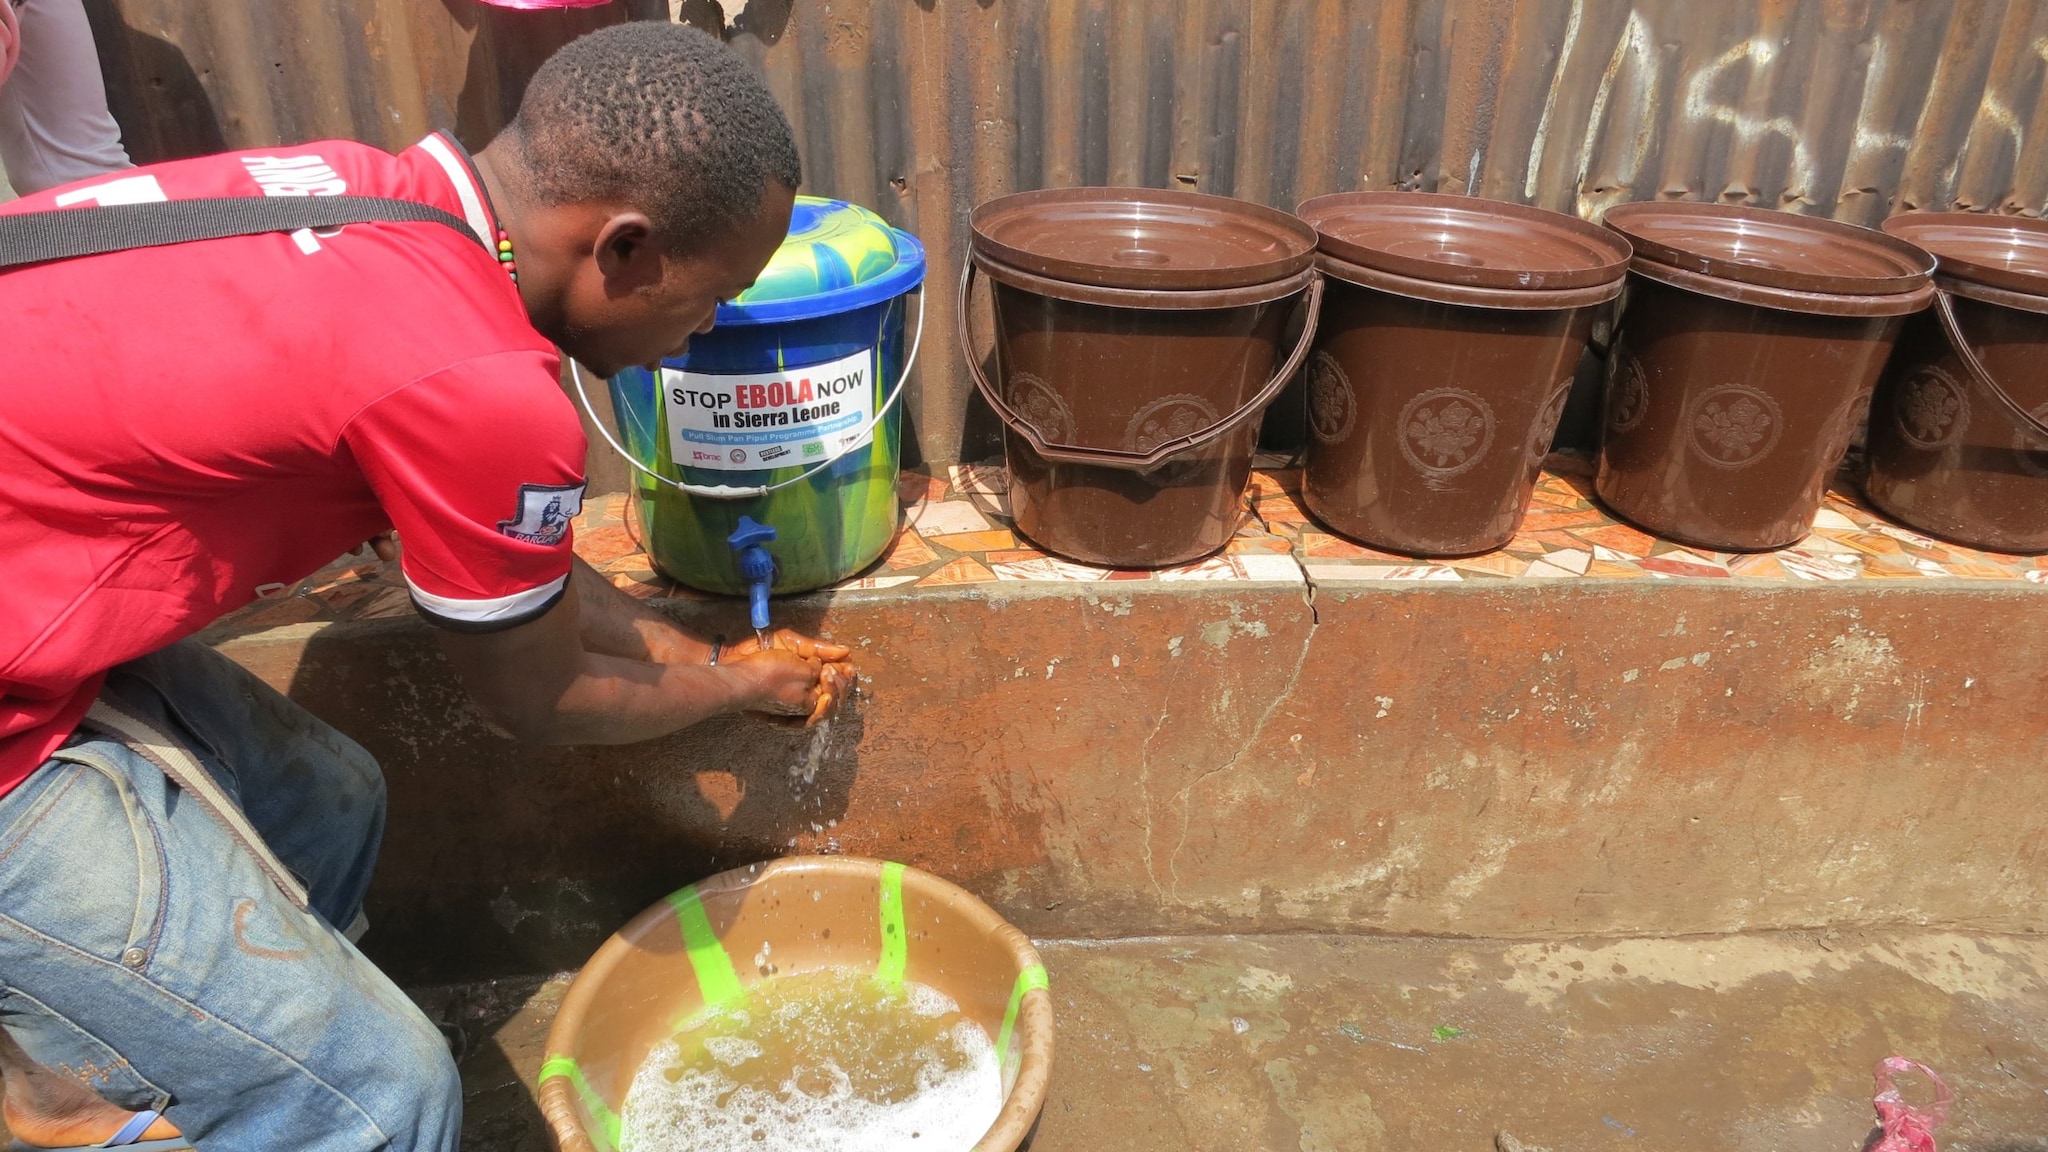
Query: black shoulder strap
x,y
64,233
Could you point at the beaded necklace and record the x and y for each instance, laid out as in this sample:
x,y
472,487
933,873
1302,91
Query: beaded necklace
x,y
505,255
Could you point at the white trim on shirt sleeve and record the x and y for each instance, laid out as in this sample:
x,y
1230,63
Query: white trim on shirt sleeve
x,y
492,611
465,187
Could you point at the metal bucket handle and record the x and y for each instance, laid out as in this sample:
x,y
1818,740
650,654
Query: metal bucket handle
x,y
1945,306
727,492
1074,453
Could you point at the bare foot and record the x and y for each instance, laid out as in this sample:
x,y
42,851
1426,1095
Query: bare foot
x,y
46,1109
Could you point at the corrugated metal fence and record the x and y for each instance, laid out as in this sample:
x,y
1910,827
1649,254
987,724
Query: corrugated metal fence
x,y
922,108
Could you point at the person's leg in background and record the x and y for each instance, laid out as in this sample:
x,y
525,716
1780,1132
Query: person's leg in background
x,y
142,945
54,123
10,49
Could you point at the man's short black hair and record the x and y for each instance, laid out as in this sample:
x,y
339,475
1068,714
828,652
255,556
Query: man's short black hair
x,y
660,116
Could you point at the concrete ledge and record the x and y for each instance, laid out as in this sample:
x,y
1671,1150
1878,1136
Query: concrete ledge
x,y
1721,1044
1516,759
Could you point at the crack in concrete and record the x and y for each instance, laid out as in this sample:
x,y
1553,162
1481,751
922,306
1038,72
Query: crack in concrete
x,y
1308,586
1251,509
1258,729
1145,800
1308,599
1294,553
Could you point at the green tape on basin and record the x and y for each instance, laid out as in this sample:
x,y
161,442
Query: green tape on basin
x,y
715,975
564,1068
895,940
1030,979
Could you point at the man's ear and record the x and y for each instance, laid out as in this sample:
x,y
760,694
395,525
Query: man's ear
x,y
626,252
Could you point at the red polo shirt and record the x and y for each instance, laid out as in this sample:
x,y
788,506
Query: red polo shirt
x,y
186,428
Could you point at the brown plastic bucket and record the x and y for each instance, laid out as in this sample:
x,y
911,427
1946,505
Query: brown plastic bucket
x,y
1958,443
1451,330
1138,339
705,944
1749,343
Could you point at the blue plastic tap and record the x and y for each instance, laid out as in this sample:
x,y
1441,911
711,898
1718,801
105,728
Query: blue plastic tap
x,y
757,566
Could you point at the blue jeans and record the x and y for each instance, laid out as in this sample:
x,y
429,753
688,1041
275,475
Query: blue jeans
x,y
143,949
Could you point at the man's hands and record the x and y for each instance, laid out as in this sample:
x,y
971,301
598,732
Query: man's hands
x,y
797,675
602,668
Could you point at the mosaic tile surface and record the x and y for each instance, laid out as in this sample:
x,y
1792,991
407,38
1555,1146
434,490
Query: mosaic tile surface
x,y
957,531
1568,535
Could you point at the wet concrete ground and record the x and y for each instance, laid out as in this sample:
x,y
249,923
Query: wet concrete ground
x,y
1317,1043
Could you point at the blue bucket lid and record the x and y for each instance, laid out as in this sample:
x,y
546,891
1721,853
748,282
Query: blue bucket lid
x,y
837,257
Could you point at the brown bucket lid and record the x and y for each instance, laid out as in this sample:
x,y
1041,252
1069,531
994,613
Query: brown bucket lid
x,y
1465,240
1142,238
1771,249
1996,251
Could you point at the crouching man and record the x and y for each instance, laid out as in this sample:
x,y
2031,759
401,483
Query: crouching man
x,y
186,426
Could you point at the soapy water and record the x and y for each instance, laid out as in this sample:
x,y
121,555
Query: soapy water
x,y
819,1062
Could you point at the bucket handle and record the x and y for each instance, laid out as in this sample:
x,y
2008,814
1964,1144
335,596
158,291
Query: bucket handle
x,y
1945,306
1074,453
727,492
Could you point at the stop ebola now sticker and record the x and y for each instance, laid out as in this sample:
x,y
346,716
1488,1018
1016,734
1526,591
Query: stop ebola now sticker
x,y
744,422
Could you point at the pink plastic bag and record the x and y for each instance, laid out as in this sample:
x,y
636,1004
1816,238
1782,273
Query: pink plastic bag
x,y
1906,1128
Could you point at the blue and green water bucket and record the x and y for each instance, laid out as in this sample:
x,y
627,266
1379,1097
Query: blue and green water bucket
x,y
784,413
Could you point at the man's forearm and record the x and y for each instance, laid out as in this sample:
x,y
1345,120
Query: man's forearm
x,y
614,623
618,700
541,682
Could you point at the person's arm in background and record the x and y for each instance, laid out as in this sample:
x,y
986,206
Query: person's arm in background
x,y
54,123
10,38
